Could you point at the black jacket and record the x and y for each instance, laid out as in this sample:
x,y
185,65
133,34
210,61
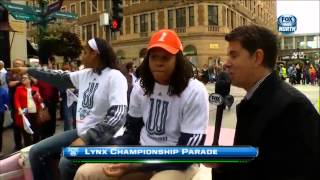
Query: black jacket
x,y
284,125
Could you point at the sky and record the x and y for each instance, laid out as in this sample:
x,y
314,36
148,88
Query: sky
x,y
306,12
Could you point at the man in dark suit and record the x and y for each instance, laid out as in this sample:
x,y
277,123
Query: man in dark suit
x,y
273,116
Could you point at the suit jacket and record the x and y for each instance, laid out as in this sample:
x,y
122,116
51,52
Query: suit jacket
x,y
20,101
284,125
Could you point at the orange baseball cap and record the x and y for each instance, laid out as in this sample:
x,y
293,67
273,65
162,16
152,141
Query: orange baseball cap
x,y
166,39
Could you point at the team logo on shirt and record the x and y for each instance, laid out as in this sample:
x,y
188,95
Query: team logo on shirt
x,y
88,95
157,117
87,102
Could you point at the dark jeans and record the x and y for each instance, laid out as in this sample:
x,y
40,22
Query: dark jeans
x,y
49,128
1,128
67,169
16,132
29,139
41,153
34,126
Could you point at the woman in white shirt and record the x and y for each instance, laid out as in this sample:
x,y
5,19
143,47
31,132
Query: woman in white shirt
x,y
101,108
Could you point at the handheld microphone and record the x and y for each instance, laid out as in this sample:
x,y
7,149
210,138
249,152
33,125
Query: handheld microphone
x,y
222,89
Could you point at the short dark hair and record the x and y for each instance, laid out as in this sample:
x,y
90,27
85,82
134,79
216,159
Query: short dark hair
x,y
129,65
253,37
107,55
52,59
179,78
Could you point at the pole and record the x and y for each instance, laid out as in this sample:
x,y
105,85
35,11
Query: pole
x,y
12,40
43,25
110,36
108,33
109,29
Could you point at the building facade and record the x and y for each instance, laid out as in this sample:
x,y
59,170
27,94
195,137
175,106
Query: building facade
x,y
12,36
200,24
303,47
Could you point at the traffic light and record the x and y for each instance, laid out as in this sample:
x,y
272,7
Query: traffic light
x,y
117,15
114,25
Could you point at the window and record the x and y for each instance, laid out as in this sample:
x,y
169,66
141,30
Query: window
x,y
279,45
244,21
135,1
153,21
181,17
144,23
107,5
135,24
89,31
73,8
191,16
233,19
63,9
83,33
288,43
300,42
94,30
94,6
170,19
229,18
83,8
311,42
213,15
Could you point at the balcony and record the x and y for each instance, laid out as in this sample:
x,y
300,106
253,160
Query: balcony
x,y
180,30
213,28
143,34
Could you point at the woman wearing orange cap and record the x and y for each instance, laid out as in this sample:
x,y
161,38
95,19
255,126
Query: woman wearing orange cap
x,y
168,107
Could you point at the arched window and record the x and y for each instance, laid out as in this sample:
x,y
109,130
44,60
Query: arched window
x,y
190,51
143,53
120,54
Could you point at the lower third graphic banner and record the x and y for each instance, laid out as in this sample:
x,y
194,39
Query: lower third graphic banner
x,y
173,154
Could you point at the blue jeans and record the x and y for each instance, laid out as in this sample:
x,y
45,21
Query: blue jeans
x,y
41,153
69,116
67,169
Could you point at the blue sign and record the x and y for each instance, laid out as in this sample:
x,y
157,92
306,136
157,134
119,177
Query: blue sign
x,y
287,24
175,153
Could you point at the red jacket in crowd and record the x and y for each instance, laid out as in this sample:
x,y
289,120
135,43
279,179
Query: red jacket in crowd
x,y
20,101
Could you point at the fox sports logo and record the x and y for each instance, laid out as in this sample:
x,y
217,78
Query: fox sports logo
x,y
287,24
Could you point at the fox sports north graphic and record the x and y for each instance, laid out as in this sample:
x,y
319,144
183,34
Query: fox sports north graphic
x,y
287,24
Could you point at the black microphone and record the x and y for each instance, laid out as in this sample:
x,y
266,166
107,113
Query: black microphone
x,y
222,89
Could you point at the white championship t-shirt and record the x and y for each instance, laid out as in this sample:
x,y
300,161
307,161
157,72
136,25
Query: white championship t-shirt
x,y
165,117
97,93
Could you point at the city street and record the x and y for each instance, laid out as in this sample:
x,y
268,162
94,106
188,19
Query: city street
x,y
150,40
229,116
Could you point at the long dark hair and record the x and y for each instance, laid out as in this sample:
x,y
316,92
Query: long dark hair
x,y
179,79
107,55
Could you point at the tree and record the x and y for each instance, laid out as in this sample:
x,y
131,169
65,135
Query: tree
x,y
48,47
70,47
67,45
